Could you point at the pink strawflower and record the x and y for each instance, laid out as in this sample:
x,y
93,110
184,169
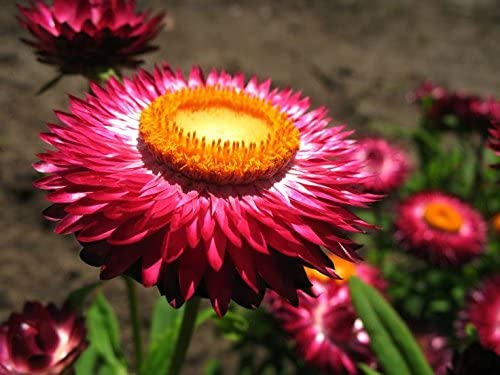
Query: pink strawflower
x,y
494,141
471,111
483,312
88,36
437,351
385,167
41,340
440,228
208,186
325,329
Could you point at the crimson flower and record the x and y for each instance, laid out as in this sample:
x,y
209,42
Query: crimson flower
x,y
494,141
437,351
41,340
87,36
325,328
483,312
470,111
440,228
385,165
208,186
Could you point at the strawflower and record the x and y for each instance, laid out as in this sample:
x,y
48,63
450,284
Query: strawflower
x,y
483,312
494,141
385,166
440,227
208,186
437,351
89,36
41,340
469,112
325,328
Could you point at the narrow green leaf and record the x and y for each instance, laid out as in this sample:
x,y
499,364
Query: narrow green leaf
x,y
164,317
164,330
104,335
205,315
86,364
104,353
388,333
108,320
400,333
380,341
367,370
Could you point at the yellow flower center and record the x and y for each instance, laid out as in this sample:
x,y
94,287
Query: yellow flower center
x,y
443,216
219,135
343,268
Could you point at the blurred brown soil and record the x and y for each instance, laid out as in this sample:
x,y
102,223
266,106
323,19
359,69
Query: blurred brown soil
x,y
359,58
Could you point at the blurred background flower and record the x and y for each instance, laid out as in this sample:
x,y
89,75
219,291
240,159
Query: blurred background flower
x,y
440,228
483,312
41,340
89,36
385,166
324,328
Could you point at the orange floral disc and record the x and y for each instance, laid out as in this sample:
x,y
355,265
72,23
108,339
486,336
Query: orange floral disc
x,y
443,216
344,268
219,135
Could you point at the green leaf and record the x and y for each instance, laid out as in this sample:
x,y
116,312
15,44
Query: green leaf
x,y
233,326
390,339
77,297
367,370
104,334
205,315
87,362
164,318
165,327
213,367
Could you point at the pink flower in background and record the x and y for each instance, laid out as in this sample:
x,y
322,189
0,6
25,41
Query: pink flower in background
x,y
437,351
385,165
494,141
325,329
483,311
41,340
440,228
88,36
208,186
471,111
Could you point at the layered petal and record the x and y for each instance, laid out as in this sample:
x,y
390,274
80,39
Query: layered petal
x,y
224,217
85,36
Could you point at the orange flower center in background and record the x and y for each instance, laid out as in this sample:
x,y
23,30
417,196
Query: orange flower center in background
x,y
219,135
443,216
495,223
343,268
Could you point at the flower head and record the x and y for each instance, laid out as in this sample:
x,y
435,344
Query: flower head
x,y
326,329
437,351
483,311
84,36
440,228
458,110
203,185
385,165
41,340
494,141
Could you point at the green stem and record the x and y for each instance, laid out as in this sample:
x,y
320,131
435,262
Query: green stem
x,y
135,320
185,333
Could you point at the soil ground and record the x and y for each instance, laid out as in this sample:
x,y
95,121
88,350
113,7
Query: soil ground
x,y
359,58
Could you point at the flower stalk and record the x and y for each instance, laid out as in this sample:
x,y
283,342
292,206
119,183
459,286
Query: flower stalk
x,y
185,334
135,320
